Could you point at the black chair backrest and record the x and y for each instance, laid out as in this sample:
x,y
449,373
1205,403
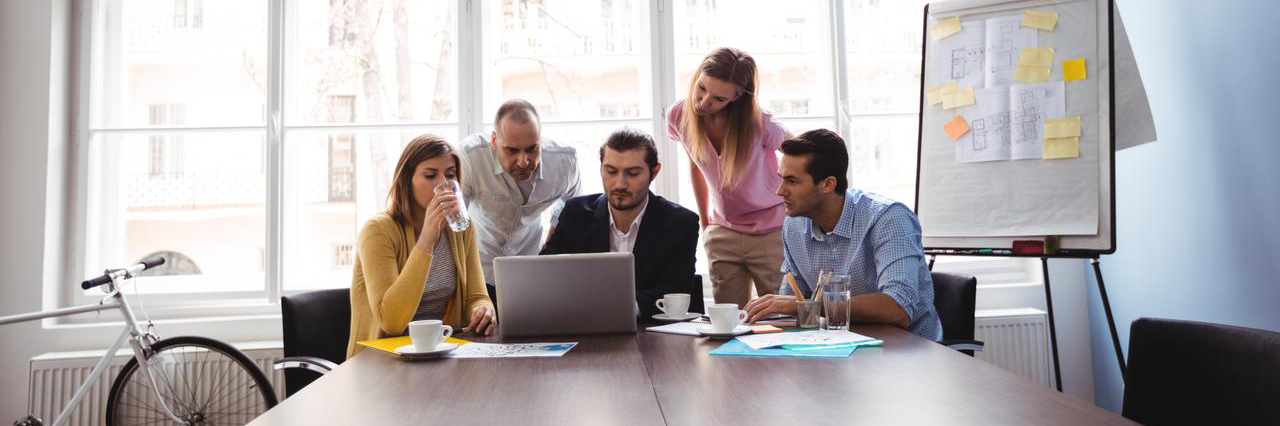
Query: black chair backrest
x,y
696,304
316,323
954,296
1187,372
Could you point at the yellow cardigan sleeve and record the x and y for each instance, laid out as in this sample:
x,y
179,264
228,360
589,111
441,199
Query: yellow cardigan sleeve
x,y
477,293
393,293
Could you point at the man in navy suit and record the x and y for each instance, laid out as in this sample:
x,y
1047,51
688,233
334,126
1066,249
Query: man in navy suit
x,y
628,217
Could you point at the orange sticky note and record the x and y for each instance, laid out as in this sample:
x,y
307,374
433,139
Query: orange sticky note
x,y
765,329
1073,70
956,128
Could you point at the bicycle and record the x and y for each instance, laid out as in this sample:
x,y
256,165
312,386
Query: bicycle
x,y
189,380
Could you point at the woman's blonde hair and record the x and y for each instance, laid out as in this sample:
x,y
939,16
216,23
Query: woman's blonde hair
x,y
400,198
737,67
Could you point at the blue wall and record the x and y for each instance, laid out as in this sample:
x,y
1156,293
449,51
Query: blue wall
x,y
1198,211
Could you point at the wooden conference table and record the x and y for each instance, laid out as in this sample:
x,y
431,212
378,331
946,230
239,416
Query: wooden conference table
x,y
656,379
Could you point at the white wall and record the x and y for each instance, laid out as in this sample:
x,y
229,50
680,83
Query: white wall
x,y
26,108
1196,211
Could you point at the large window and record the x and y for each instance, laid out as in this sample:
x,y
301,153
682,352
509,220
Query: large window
x,y
248,141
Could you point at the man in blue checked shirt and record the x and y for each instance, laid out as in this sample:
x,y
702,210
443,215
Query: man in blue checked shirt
x,y
870,238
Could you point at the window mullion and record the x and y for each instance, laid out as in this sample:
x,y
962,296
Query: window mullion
x,y
662,59
470,67
274,143
840,62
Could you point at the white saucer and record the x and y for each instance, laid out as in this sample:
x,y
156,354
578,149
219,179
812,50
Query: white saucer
x,y
667,318
708,331
441,349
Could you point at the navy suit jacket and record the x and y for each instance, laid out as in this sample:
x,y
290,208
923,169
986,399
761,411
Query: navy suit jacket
x,y
664,249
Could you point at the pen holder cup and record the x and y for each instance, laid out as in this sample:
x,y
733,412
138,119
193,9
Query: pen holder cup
x,y
807,313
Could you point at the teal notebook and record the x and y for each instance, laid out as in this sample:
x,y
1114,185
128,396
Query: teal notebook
x,y
737,348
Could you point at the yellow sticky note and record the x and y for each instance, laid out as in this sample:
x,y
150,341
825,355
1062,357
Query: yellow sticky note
x,y
1026,74
1039,20
1073,70
945,28
957,98
934,94
1055,148
956,128
1062,127
1036,57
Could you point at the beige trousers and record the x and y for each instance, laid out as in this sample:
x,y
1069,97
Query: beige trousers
x,y
739,259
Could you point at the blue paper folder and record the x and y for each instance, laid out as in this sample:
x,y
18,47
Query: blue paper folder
x,y
735,347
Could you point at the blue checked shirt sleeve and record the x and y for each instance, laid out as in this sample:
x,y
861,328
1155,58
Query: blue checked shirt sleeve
x,y
787,267
898,256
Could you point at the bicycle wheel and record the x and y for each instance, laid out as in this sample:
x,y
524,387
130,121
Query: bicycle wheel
x,y
203,381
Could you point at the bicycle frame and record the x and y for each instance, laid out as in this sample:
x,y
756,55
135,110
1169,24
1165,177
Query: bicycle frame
x,y
138,339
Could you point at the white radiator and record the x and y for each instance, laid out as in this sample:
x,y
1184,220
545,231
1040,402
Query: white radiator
x,y
1016,340
55,378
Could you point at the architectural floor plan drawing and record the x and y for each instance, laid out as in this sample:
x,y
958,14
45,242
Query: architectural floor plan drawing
x,y
1007,123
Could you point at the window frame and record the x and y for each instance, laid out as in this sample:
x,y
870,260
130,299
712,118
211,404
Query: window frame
x,y
470,16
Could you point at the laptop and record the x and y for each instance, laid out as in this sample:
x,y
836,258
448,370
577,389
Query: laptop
x,y
588,293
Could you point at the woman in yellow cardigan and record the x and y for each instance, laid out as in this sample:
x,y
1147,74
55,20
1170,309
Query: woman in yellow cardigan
x,y
409,265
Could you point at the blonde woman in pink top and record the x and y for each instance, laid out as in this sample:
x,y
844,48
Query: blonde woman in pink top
x,y
732,145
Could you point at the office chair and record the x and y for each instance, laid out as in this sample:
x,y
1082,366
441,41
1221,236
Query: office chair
x,y
696,304
1187,372
954,297
317,325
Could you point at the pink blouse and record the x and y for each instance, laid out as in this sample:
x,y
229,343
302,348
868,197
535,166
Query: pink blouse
x,y
752,206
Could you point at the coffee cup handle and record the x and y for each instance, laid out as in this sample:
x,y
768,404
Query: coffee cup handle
x,y
448,330
660,305
742,316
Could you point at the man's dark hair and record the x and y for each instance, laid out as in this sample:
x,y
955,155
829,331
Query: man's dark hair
x,y
519,110
826,152
629,138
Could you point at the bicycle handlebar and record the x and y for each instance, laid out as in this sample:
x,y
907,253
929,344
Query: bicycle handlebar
x,y
109,275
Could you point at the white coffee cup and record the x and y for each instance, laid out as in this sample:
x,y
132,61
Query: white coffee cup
x,y
427,334
675,305
725,316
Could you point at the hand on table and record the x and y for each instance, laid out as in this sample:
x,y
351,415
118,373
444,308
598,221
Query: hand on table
x,y
483,322
770,304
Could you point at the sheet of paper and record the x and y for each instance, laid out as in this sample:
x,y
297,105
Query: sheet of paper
x,y
1056,148
988,137
956,128
958,98
960,56
1005,39
945,28
1039,20
1073,70
1029,107
1036,57
934,94
815,337
681,328
1062,127
511,350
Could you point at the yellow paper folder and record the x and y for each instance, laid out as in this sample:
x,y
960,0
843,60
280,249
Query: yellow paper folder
x,y
390,344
